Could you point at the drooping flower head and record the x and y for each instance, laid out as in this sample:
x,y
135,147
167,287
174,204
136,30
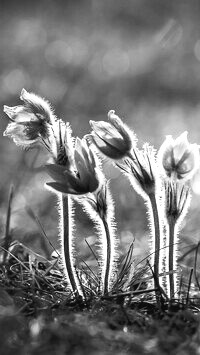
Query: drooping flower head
x,y
113,139
178,158
86,176
30,121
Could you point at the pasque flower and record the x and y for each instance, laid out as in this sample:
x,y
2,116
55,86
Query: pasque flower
x,y
83,179
177,200
30,121
141,170
178,158
114,139
100,208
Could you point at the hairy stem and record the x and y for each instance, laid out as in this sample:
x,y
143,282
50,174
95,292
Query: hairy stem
x,y
67,243
156,224
172,261
108,257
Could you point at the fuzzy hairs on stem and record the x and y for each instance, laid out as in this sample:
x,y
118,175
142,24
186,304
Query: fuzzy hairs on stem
x,y
99,207
66,227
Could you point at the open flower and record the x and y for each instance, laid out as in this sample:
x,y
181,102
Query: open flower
x,y
114,139
30,121
84,179
178,158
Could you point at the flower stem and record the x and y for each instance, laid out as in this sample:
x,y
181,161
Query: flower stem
x,y
156,224
67,243
106,277
172,261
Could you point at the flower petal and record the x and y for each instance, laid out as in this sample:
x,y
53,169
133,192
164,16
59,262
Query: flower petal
x,y
61,188
57,172
181,145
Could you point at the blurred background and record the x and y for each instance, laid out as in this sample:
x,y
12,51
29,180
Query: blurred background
x,y
139,57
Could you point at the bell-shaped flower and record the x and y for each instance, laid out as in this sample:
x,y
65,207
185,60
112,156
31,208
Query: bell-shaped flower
x,y
84,179
178,158
113,139
30,121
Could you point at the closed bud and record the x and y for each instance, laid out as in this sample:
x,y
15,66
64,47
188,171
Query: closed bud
x,y
114,139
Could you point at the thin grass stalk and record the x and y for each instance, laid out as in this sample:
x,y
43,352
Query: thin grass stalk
x,y
8,237
66,234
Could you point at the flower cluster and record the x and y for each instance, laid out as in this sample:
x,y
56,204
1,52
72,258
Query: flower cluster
x,y
162,178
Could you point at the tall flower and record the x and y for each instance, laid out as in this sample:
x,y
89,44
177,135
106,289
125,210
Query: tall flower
x,y
178,158
113,139
83,178
142,172
100,208
177,200
34,122
30,121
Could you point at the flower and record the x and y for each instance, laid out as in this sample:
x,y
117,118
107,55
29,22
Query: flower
x,y
141,170
84,179
114,139
98,203
177,199
61,144
30,121
178,158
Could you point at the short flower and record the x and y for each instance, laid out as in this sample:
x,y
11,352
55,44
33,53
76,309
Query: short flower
x,y
178,158
114,139
30,121
86,178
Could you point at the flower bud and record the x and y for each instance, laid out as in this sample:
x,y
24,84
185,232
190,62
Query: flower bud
x,y
178,158
114,139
